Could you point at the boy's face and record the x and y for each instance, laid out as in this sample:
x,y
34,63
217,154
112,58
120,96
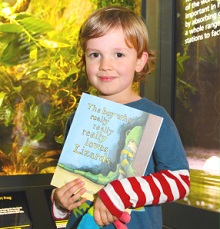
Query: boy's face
x,y
111,64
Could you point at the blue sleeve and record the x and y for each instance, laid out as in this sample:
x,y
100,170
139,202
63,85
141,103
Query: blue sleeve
x,y
168,153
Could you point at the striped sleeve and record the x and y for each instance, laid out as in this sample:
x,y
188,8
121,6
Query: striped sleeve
x,y
160,187
59,214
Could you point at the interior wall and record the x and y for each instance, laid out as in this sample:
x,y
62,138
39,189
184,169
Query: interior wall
x,y
150,12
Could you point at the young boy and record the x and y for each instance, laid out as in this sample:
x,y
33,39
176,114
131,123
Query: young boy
x,y
114,53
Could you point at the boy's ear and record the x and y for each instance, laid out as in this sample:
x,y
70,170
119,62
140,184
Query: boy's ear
x,y
141,62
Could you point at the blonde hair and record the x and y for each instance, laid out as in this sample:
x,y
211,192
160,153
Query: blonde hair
x,y
135,32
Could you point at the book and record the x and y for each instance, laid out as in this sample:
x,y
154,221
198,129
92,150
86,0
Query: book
x,y
106,141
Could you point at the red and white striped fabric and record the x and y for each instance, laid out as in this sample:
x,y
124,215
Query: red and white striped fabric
x,y
160,187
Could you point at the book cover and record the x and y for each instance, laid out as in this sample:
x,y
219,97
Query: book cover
x,y
106,141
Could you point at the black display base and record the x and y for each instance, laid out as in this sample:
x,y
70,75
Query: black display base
x,y
180,216
36,190
14,210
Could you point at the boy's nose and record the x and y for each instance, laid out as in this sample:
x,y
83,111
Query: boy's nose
x,y
106,64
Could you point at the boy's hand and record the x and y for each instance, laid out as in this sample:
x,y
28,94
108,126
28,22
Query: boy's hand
x,y
68,196
102,215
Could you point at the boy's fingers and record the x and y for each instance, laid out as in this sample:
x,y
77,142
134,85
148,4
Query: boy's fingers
x,y
75,197
68,187
72,187
104,218
68,196
97,218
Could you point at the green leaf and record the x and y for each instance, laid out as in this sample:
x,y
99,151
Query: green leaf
x,y
7,117
22,15
39,136
35,25
17,89
2,96
59,139
53,44
10,28
7,37
33,53
74,70
12,55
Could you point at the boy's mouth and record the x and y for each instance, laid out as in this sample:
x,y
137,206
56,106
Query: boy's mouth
x,y
107,78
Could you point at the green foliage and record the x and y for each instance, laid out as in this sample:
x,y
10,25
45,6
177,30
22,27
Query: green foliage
x,y
40,85
184,90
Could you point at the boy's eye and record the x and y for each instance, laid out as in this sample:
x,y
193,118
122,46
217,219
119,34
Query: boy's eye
x,y
119,54
95,55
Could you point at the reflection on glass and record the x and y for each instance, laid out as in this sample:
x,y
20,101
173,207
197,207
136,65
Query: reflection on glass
x,y
197,105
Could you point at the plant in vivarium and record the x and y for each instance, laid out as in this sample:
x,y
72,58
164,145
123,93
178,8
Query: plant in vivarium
x,y
39,88
40,85
184,90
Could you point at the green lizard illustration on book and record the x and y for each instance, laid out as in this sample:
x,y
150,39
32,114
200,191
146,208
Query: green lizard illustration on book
x,y
127,155
124,169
